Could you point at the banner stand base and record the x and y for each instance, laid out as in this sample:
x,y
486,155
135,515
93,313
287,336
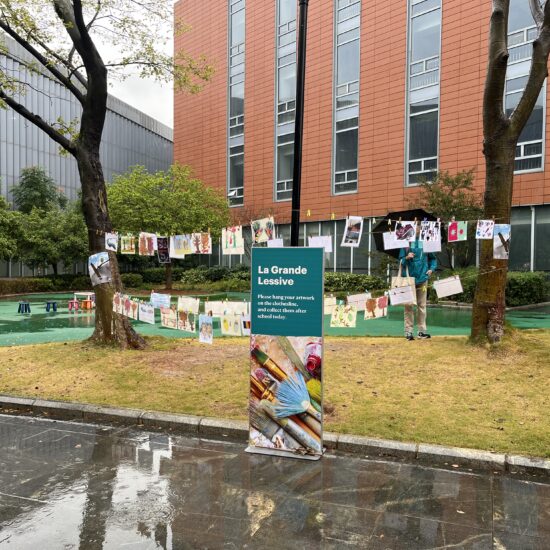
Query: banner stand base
x,y
280,452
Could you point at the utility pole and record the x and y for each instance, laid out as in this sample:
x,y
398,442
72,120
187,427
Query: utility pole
x,y
299,124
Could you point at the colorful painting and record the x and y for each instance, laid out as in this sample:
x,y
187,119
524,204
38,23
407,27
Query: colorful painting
x,y
146,244
146,313
206,329
187,303
485,229
343,316
322,241
286,393
118,303
430,235
187,321
232,240
169,317
201,243
263,230
501,241
180,245
245,324
111,242
163,250
457,231
404,233
375,308
231,325
127,244
353,231
99,268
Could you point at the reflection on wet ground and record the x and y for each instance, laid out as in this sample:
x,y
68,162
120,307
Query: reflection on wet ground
x,y
68,485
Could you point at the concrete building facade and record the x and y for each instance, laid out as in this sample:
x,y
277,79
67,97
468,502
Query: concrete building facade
x,y
393,94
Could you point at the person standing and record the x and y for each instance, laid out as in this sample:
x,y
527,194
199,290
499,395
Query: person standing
x,y
420,266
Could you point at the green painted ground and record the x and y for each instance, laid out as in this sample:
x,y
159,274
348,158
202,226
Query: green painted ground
x,y
41,327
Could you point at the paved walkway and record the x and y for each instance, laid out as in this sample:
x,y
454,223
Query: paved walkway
x,y
65,485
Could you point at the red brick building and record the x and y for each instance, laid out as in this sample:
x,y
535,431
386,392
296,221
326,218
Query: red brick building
x,y
393,92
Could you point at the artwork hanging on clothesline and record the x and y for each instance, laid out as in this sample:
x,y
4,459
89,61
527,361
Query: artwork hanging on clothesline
x,y
146,313
215,308
118,306
231,325
169,317
358,300
375,308
127,244
237,308
353,231
263,230
321,241
501,241
187,303
160,300
275,243
206,329
448,286
232,240
99,268
343,316
147,244
187,321
328,304
180,245
401,236
163,250
485,229
111,242
245,324
201,243
430,235
457,232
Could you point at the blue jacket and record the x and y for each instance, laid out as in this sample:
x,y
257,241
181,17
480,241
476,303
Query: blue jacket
x,y
420,264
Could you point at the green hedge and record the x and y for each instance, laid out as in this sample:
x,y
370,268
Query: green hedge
x,y
131,280
352,282
25,285
522,288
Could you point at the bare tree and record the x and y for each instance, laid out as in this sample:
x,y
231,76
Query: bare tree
x,y
63,38
500,136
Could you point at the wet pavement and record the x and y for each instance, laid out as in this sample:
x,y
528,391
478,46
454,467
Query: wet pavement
x,y
70,485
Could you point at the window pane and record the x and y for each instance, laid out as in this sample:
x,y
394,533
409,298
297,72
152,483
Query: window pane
x,y
542,238
237,28
285,159
287,83
236,171
287,11
237,100
348,62
533,128
520,245
520,15
346,150
423,136
425,37
427,105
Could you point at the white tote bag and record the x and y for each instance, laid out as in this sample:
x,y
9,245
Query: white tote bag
x,y
403,289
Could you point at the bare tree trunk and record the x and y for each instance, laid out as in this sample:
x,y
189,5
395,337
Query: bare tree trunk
x,y
489,301
110,327
168,274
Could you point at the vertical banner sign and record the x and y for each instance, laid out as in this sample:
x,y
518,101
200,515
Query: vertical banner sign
x,y
286,352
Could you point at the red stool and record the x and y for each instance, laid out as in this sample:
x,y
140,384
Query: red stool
x,y
73,305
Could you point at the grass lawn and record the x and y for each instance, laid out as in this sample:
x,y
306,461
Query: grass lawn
x,y
440,391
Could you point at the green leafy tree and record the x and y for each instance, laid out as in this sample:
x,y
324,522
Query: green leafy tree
x,y
50,237
166,203
453,195
9,228
36,190
62,39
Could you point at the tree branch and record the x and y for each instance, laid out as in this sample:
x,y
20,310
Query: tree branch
x,y
536,12
494,119
44,61
39,122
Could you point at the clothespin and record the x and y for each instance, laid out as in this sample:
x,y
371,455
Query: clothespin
x,y
308,213
399,219
439,221
333,216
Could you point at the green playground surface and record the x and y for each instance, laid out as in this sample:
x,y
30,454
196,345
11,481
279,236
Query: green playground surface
x,y
42,327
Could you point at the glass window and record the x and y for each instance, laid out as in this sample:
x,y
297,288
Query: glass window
x,y
346,150
425,35
348,62
519,16
542,238
423,135
237,100
237,28
520,245
285,161
287,11
287,83
236,167
343,253
533,129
